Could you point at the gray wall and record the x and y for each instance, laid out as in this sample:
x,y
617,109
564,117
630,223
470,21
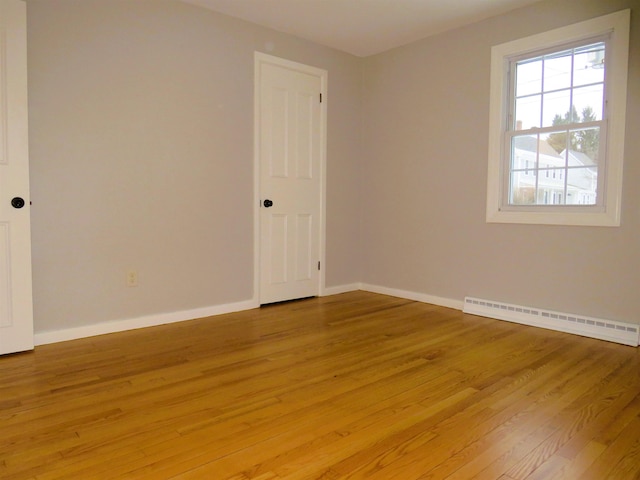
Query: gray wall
x,y
141,133
426,112
141,139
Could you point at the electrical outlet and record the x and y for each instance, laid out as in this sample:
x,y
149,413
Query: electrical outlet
x,y
132,278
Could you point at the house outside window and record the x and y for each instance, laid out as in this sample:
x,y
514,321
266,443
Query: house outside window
x,y
558,103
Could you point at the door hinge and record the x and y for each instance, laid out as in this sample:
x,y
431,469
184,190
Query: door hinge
x,y
318,265
321,98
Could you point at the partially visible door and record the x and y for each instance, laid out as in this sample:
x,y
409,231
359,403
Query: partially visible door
x,y
16,311
291,154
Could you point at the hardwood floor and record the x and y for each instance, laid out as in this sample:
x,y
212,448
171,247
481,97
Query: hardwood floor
x,y
350,386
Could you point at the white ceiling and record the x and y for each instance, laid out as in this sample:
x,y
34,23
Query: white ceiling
x,y
362,27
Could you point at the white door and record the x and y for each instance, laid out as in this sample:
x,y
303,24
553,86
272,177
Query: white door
x,y
290,148
16,311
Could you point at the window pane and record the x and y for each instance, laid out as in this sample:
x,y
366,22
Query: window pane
x,y
557,71
551,181
522,186
522,194
528,77
519,161
523,154
527,112
524,148
555,108
588,102
522,179
555,144
582,185
543,196
589,65
585,145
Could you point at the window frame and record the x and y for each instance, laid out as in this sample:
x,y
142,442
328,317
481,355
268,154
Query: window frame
x,y
607,211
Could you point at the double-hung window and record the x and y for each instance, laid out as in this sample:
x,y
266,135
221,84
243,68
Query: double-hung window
x,y
557,125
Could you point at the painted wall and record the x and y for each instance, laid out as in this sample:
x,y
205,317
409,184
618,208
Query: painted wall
x,y
141,139
141,128
425,130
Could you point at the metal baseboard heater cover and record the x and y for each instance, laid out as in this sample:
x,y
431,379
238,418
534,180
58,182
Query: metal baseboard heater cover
x,y
612,331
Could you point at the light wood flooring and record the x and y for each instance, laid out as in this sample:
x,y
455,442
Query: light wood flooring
x,y
349,386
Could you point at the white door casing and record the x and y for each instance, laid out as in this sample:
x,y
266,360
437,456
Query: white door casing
x,y
290,142
16,310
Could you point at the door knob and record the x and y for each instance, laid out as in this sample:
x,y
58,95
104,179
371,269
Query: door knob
x,y
17,202
267,203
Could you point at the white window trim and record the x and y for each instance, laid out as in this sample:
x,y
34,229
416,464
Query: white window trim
x,y
615,112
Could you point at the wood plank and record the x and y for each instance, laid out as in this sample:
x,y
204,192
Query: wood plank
x,y
350,386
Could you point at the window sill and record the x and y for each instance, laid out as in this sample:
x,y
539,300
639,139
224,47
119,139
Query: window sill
x,y
594,219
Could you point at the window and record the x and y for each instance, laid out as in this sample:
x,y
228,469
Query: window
x,y
558,103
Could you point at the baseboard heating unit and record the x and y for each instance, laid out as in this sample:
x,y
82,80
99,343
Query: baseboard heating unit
x,y
613,331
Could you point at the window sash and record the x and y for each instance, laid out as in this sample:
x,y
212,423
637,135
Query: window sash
x,y
536,169
511,131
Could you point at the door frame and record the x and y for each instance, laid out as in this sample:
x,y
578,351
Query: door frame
x,y
259,60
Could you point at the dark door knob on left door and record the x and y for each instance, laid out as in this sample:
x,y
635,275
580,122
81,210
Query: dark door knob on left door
x,y
267,203
17,202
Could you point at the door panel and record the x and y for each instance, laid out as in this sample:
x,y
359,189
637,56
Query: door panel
x,y
276,137
290,145
305,155
304,243
279,239
16,311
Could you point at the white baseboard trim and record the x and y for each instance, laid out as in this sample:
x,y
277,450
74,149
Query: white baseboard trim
x,y
612,331
341,289
586,326
43,338
418,297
